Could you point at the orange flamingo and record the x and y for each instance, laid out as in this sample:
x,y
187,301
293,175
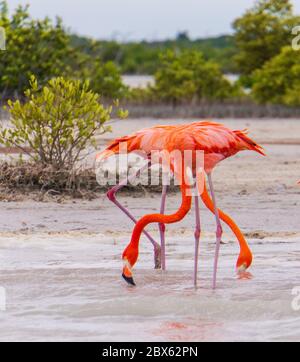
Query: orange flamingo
x,y
217,142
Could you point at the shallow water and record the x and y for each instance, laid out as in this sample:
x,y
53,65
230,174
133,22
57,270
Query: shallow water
x,y
67,287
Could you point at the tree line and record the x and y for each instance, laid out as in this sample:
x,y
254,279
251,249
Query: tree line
x,y
185,70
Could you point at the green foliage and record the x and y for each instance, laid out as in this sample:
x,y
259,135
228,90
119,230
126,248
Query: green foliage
x,y
45,49
185,70
141,95
107,81
143,57
33,46
57,123
261,33
278,82
186,76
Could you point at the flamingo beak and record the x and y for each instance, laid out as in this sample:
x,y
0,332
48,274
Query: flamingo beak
x,y
127,273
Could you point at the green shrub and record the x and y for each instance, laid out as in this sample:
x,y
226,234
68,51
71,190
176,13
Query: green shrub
x,y
187,76
57,123
45,49
32,47
141,95
261,33
106,80
278,81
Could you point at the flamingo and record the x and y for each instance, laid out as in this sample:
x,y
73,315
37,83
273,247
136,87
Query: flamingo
x,y
217,142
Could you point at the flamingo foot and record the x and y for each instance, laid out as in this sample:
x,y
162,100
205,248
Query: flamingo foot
x,y
157,257
241,269
244,276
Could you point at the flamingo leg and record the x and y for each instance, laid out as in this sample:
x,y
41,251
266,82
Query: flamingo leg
x,y
111,194
219,231
197,239
162,228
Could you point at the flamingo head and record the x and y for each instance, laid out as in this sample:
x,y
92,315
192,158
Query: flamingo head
x,y
130,256
244,261
127,273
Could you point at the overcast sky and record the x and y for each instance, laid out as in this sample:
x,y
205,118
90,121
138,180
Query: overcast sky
x,y
142,19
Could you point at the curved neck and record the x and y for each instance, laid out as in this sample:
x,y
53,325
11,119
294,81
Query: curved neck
x,y
186,203
244,248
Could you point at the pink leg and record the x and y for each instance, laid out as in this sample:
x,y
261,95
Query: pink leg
x,y
162,228
197,238
218,233
112,197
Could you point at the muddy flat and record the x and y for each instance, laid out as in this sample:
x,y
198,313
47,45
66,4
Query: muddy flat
x,y
60,264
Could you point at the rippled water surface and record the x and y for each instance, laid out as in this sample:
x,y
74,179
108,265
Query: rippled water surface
x,y
67,287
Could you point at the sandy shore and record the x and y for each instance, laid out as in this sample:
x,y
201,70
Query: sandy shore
x,y
261,192
60,263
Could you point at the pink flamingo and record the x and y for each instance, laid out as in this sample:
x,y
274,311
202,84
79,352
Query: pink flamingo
x,y
218,143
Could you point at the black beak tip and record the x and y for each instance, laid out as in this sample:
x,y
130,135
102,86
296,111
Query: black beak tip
x,y
129,280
